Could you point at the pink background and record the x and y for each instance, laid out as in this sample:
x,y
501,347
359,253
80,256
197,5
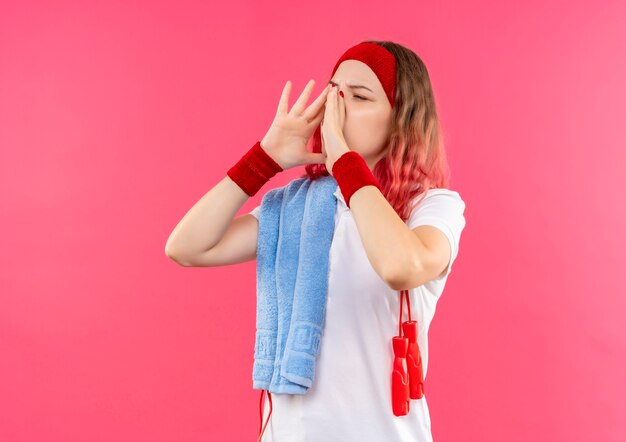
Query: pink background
x,y
116,117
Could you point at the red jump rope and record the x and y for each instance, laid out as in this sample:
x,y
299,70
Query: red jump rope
x,y
407,377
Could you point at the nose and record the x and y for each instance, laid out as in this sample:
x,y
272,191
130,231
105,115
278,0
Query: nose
x,y
339,88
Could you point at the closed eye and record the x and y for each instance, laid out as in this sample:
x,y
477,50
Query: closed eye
x,y
358,96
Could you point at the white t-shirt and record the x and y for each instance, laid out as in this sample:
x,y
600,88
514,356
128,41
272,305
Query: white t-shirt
x,y
350,399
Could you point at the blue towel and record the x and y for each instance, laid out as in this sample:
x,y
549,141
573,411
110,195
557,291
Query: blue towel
x,y
296,227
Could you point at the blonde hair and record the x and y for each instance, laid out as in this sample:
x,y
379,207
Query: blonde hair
x,y
415,157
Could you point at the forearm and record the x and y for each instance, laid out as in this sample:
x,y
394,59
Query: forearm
x,y
391,247
205,223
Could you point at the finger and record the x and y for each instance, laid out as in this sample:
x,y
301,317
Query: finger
x,y
341,109
318,104
283,103
316,119
331,103
298,106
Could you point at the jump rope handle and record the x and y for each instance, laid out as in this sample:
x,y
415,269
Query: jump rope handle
x,y
400,377
407,379
414,360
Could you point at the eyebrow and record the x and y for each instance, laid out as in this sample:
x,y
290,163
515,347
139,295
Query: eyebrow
x,y
355,86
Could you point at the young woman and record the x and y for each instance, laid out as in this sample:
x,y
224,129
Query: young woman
x,y
375,129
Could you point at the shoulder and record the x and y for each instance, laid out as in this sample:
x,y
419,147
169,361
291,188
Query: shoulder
x,y
441,208
442,195
439,202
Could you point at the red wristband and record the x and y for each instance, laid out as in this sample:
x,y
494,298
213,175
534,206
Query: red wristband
x,y
352,173
254,169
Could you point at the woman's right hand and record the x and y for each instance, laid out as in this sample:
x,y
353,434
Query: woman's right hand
x,y
287,137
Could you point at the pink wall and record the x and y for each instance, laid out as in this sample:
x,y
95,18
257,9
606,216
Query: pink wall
x,y
116,117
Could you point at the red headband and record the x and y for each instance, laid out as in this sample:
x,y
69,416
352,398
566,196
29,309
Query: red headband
x,y
379,59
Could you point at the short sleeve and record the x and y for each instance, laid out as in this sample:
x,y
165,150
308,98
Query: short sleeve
x,y
255,212
444,209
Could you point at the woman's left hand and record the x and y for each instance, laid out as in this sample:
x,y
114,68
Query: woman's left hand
x,y
333,143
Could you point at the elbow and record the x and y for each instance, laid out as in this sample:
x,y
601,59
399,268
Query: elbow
x,y
181,262
177,257
169,248
403,277
173,257
169,252
396,283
